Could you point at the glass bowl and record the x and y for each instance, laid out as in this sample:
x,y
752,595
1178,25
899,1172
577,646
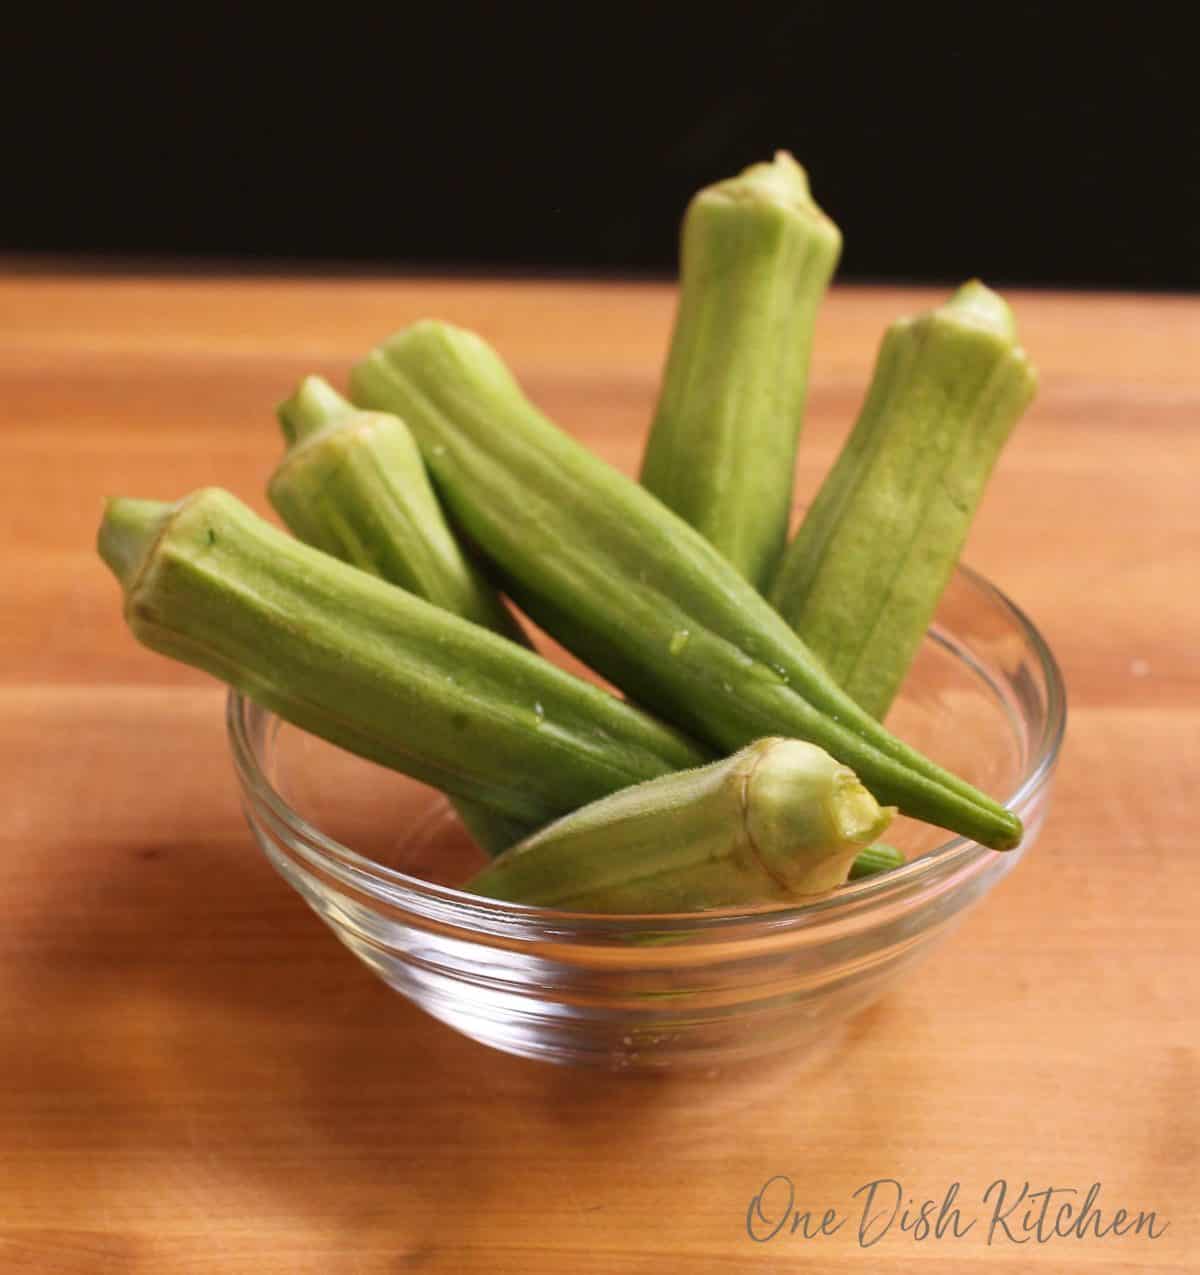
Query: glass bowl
x,y
377,856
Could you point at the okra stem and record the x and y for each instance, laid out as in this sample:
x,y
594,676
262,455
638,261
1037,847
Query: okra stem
x,y
757,256
862,578
353,484
686,632
128,533
314,406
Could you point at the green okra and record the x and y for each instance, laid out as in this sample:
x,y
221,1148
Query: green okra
x,y
663,613
874,859
757,255
777,821
376,670
862,578
353,484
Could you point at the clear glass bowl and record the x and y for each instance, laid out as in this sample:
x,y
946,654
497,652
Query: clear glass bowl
x,y
377,856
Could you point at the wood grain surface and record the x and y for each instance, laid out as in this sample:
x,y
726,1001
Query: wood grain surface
x,y
195,1077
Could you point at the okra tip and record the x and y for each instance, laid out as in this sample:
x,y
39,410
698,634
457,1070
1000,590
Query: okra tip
x,y
128,532
876,858
314,405
1009,832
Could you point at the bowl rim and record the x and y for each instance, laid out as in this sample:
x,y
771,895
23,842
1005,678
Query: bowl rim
x,y
399,888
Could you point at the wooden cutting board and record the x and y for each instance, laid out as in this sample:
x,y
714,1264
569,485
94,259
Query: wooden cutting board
x,y
195,1077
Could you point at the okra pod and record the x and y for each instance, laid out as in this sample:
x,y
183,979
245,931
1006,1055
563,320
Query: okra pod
x,y
777,821
860,581
353,484
664,614
757,256
372,668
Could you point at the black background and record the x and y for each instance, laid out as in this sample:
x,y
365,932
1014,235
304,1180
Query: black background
x,y
1025,143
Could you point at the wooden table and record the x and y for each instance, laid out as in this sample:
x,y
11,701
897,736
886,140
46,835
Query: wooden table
x,y
195,1077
